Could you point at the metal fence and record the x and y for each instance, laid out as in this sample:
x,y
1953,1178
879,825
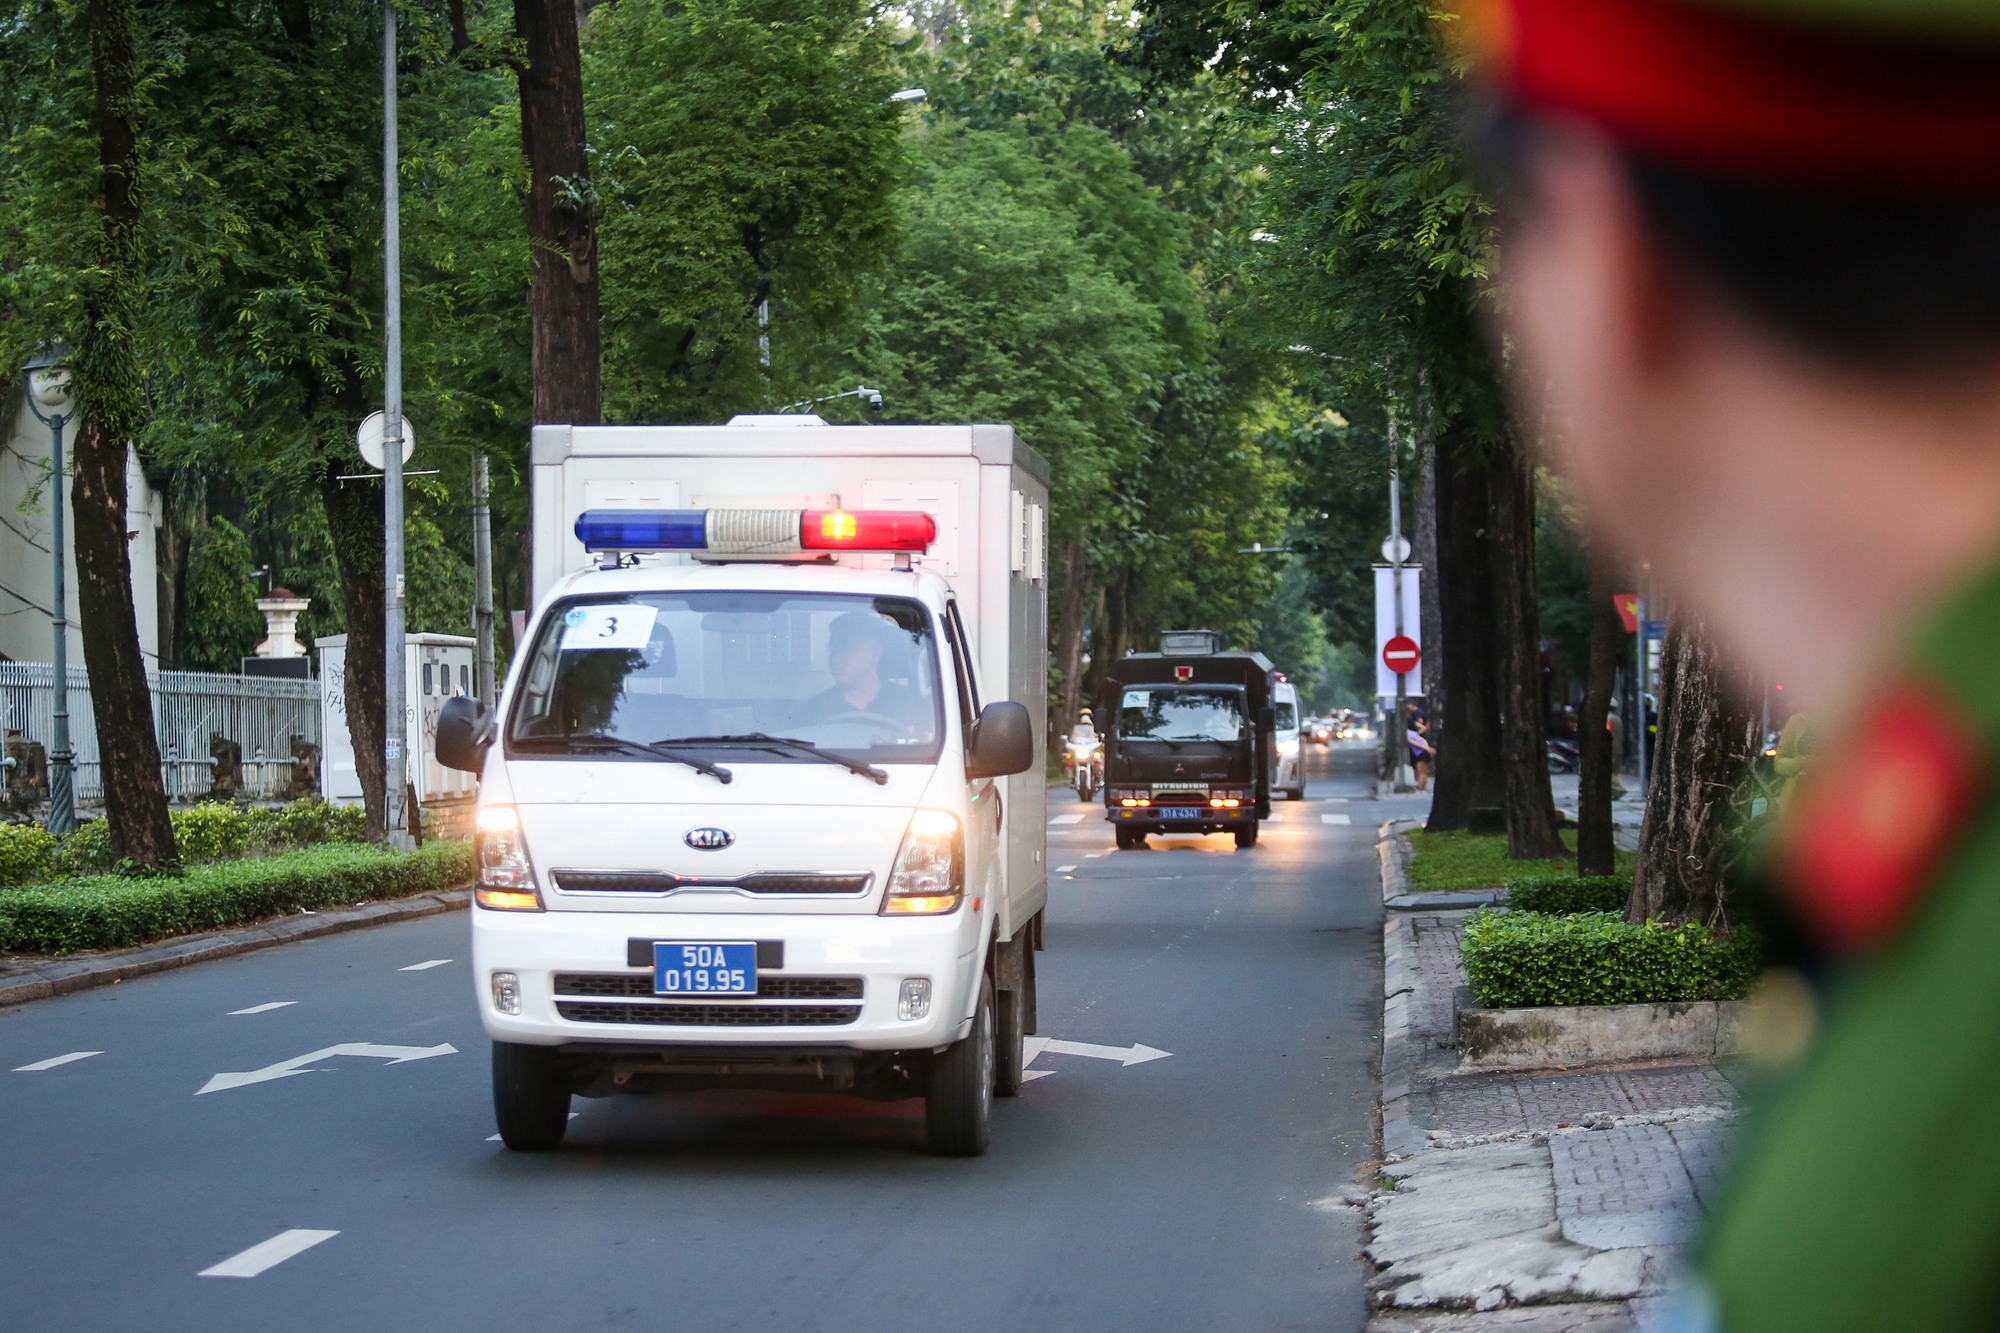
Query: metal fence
x,y
189,709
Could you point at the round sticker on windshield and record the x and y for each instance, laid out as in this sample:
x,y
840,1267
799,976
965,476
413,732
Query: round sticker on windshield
x,y
574,616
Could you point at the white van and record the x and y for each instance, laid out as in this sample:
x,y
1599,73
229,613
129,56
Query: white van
x,y
1289,761
762,803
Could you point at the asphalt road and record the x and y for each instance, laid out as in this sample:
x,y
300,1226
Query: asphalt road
x,y
1187,1192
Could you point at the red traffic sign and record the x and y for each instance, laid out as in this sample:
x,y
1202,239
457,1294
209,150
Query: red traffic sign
x,y
1401,654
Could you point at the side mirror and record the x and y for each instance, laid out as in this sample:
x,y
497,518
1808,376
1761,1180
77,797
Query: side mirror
x,y
1002,742
463,733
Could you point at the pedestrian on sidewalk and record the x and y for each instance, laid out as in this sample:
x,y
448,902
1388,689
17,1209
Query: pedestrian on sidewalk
x,y
1423,755
1752,248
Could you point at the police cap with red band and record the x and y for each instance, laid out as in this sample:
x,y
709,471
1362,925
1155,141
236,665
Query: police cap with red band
x,y
1861,94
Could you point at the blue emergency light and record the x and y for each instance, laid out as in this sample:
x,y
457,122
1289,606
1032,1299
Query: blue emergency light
x,y
755,532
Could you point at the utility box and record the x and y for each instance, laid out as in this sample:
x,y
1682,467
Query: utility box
x,y
436,667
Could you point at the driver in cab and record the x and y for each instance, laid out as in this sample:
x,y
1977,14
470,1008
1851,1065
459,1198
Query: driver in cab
x,y
856,643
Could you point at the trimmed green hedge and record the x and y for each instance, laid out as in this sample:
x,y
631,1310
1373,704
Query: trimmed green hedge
x,y
1523,959
211,831
1564,895
107,911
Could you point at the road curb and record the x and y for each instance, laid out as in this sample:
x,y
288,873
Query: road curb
x,y
1395,853
26,981
1401,1135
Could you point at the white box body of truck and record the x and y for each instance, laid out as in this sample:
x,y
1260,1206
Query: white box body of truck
x,y
740,816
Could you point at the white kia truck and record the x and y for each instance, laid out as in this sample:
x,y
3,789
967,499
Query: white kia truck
x,y
762,803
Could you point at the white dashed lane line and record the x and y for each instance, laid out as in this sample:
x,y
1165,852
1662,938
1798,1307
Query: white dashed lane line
x,y
1065,819
424,966
268,1254
55,1060
1064,870
1336,819
262,1008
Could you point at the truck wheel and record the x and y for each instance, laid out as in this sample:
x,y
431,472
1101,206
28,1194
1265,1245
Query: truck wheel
x,y
1246,835
1129,839
530,1096
958,1107
1011,1029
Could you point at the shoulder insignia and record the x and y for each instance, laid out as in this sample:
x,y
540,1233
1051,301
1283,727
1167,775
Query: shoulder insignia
x,y
1867,830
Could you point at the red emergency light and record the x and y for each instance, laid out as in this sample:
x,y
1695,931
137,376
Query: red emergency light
x,y
866,530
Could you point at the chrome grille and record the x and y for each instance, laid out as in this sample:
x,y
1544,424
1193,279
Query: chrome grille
x,y
661,881
710,1015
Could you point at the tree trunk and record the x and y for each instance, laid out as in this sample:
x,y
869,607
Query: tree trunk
x,y
561,203
1069,633
1707,739
1424,550
354,518
1464,715
1596,852
112,402
1533,831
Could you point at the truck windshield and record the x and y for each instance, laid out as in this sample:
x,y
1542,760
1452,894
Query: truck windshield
x,y
856,675
1181,713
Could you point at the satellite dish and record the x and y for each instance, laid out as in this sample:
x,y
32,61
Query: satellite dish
x,y
369,440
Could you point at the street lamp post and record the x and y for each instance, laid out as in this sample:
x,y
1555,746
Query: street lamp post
x,y
48,386
395,724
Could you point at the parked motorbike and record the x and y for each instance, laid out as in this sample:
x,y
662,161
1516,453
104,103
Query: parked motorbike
x,y
1564,757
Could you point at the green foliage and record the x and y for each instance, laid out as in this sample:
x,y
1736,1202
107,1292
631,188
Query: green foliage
x,y
745,151
1521,959
210,831
27,852
1557,895
109,911
220,623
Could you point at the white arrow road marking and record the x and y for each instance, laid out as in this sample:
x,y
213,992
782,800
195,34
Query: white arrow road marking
x,y
395,1055
1066,819
55,1060
262,1008
1336,819
424,967
1027,1075
268,1253
1135,1054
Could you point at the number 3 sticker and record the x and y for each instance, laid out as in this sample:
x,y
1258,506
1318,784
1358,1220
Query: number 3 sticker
x,y
615,625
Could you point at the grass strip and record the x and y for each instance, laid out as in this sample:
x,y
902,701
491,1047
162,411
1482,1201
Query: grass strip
x,y
1447,861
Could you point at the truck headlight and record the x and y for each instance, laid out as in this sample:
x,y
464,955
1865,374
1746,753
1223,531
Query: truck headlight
x,y
929,878
506,876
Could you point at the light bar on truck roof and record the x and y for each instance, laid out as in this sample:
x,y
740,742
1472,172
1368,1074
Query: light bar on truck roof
x,y
756,532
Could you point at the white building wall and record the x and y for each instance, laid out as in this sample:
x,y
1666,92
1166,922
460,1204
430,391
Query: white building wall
x,y
25,576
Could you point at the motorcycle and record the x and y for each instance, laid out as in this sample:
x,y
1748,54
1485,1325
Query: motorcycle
x,y
1083,765
1564,756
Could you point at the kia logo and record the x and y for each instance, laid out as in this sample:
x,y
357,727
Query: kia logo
x,y
709,839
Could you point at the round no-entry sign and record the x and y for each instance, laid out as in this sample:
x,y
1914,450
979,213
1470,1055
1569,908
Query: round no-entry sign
x,y
1401,654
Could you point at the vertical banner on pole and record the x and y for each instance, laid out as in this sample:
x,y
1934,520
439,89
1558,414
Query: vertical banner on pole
x,y
1385,628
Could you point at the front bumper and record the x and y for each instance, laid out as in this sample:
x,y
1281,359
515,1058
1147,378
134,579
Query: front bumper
x,y
879,951
1207,820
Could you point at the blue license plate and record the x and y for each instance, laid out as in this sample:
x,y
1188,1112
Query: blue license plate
x,y
1180,811
682,967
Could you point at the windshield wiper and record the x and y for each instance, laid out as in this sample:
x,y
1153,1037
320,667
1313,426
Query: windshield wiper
x,y
599,740
787,743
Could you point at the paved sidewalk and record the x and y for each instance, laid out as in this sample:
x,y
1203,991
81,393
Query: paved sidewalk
x,y
1541,1200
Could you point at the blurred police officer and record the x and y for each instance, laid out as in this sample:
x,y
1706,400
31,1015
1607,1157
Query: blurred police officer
x,y
1751,279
